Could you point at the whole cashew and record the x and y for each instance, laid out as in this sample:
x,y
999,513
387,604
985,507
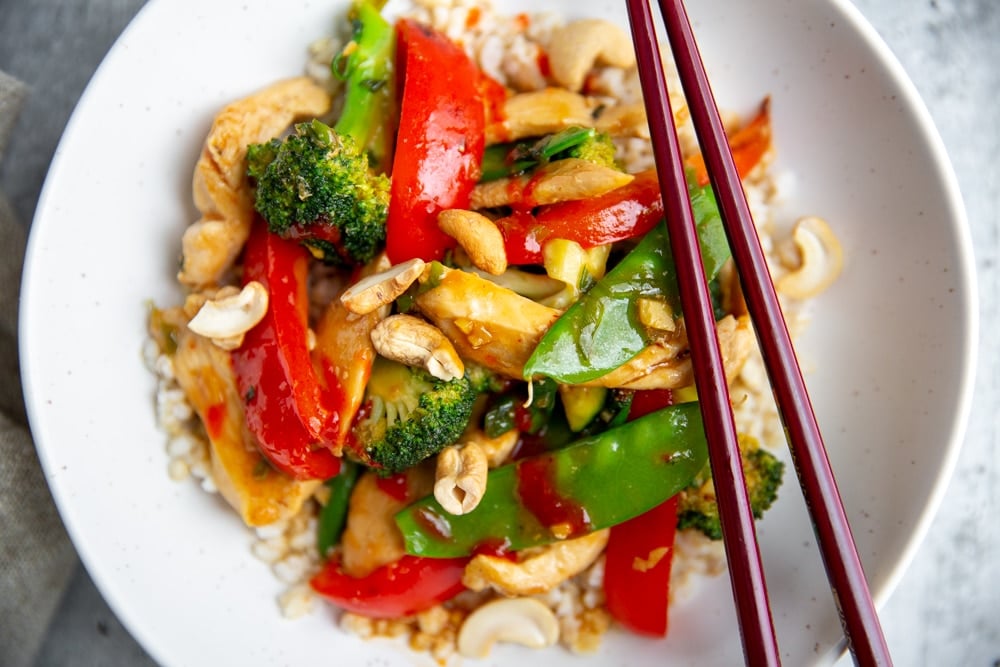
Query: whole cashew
x,y
414,342
226,318
498,449
461,478
524,621
576,47
478,236
820,260
382,288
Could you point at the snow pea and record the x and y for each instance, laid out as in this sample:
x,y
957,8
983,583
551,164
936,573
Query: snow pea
x,y
333,516
602,331
594,483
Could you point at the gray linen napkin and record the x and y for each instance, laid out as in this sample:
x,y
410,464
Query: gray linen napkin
x,y
36,556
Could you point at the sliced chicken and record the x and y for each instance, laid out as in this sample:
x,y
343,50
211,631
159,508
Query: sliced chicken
x,y
261,494
220,187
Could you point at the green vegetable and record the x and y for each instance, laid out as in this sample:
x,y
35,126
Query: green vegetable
x,y
333,516
600,149
408,415
366,67
510,410
317,185
763,473
602,331
483,380
577,268
586,143
581,404
596,482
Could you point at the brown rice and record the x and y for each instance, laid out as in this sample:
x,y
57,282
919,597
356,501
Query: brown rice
x,y
508,48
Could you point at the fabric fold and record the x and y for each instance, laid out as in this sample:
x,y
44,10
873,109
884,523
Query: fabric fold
x,y
37,558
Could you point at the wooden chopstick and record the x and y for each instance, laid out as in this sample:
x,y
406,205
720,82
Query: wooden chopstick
x,y
739,535
850,588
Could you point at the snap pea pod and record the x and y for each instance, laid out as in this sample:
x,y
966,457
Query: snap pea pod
x,y
333,516
594,483
602,331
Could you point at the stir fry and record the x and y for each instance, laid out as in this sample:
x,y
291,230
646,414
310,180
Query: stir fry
x,y
433,311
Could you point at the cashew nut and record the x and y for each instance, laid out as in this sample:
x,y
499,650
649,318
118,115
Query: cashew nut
x,y
575,48
381,288
820,260
412,341
498,449
538,573
461,478
226,318
524,621
478,236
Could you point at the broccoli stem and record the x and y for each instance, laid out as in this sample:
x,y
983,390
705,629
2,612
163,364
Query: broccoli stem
x,y
366,67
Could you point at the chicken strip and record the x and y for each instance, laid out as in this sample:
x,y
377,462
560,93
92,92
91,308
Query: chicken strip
x,y
261,494
220,188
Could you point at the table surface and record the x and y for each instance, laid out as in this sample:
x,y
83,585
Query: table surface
x,y
946,609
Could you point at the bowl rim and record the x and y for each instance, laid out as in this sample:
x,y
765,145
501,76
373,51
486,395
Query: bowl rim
x,y
970,345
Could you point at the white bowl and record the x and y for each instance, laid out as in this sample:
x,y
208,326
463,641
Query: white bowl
x,y
890,348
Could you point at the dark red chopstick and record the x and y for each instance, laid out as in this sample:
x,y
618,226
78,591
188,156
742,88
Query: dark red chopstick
x,y
739,535
850,588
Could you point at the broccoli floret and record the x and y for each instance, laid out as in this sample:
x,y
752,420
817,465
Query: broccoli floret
x,y
586,143
408,415
483,380
763,472
317,185
598,148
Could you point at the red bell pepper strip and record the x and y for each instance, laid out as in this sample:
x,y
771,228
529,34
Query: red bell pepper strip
x,y
401,588
748,145
292,416
649,400
439,145
626,212
637,569
640,551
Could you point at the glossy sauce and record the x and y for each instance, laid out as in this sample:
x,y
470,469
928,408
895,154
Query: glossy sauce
x,y
472,18
544,68
522,192
529,445
493,95
498,548
433,524
649,400
395,486
214,416
536,487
